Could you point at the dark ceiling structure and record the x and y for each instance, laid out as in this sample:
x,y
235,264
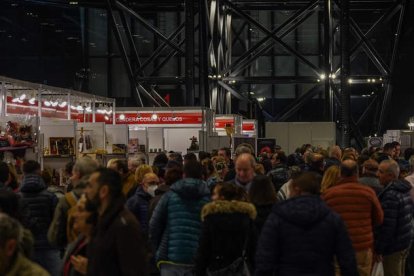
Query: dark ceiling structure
x,y
296,60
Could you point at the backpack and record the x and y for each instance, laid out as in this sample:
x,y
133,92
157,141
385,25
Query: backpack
x,y
70,233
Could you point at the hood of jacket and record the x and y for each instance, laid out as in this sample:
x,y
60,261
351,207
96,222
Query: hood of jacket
x,y
191,188
32,183
402,186
162,189
303,211
142,194
229,207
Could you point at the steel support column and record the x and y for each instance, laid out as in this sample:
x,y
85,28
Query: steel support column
x,y
189,52
328,57
388,90
345,97
203,53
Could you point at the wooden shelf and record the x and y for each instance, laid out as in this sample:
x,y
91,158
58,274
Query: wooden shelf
x,y
13,148
58,156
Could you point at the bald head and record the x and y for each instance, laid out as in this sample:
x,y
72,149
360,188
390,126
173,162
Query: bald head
x,y
245,165
349,168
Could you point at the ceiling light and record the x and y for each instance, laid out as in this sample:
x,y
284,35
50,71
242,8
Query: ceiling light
x,y
261,99
322,76
350,81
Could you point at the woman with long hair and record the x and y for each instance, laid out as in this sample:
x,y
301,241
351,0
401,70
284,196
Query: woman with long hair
x,y
263,195
330,178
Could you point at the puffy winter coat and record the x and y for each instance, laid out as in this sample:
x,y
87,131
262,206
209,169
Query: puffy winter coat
x,y
175,225
301,237
396,233
263,212
42,205
279,176
358,207
138,204
227,229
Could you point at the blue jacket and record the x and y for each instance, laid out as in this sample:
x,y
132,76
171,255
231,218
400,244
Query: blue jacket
x,y
42,205
301,237
175,226
138,204
396,233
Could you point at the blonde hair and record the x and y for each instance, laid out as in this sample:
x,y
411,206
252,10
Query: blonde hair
x,y
110,162
330,178
141,171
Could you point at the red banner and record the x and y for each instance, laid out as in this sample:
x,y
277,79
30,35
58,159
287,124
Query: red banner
x,y
162,118
220,123
248,126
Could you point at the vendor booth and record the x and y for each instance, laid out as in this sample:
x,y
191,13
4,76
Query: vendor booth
x,y
41,122
152,131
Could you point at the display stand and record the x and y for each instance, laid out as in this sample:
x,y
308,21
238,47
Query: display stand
x,y
117,137
95,132
221,121
152,131
57,146
18,145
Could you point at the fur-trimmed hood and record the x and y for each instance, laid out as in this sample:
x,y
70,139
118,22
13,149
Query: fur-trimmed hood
x,y
229,207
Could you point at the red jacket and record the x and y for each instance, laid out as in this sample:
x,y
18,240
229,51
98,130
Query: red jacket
x,y
359,208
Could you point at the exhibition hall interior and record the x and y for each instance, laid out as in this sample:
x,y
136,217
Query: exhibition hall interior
x,y
206,137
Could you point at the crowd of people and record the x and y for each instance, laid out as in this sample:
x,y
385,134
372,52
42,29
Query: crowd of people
x,y
314,212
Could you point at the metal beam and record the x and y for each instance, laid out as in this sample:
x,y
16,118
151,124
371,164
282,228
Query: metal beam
x,y
148,26
328,59
272,79
131,43
370,49
295,106
367,111
345,98
245,60
157,52
388,90
303,11
244,15
123,51
189,52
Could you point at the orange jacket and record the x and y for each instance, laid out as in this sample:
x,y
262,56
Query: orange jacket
x,y
358,207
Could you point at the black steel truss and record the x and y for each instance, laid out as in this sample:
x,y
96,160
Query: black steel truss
x,y
213,74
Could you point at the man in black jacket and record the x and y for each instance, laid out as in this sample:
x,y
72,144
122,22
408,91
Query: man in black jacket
x,y
117,247
42,205
302,236
394,236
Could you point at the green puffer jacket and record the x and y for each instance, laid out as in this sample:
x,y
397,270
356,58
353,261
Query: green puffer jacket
x,y
175,226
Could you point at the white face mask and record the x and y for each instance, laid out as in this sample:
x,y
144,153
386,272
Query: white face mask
x,y
151,190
